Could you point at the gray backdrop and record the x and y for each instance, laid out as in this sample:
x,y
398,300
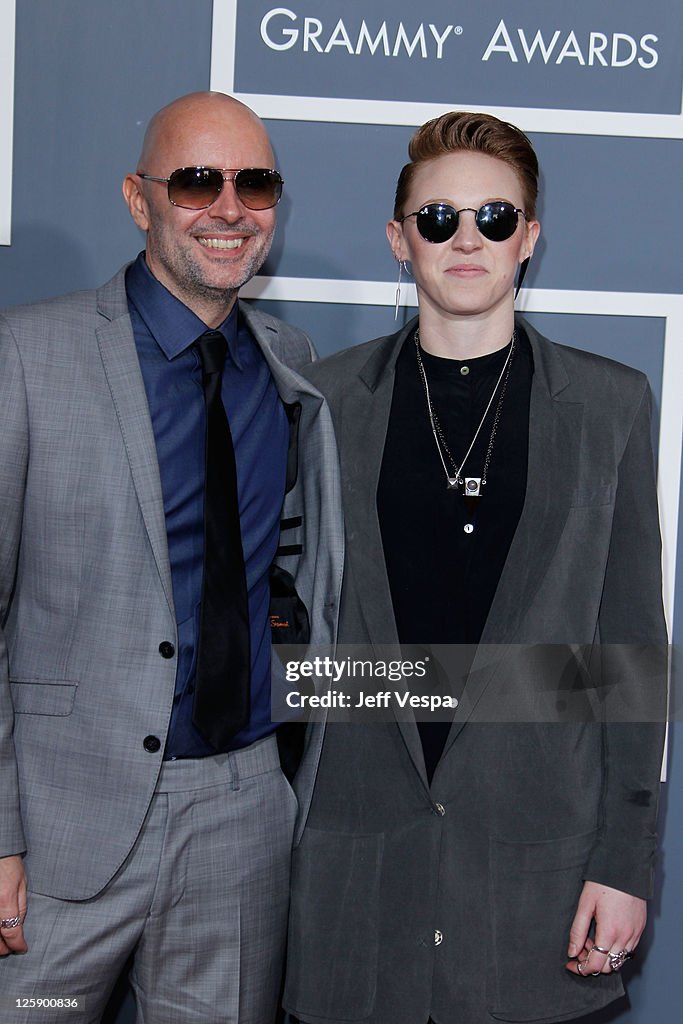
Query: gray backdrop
x,y
607,276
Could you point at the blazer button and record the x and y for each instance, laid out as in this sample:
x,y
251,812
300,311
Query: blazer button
x,y
440,810
438,937
151,744
166,649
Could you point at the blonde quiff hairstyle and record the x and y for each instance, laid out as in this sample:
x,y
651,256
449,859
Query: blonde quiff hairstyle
x,y
474,133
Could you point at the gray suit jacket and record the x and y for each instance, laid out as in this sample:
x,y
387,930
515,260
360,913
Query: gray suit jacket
x,y
455,900
85,581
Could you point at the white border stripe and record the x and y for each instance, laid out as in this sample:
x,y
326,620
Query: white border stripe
x,y
7,31
389,112
223,45
663,306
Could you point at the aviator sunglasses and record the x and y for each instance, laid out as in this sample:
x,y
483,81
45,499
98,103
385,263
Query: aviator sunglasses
x,y
196,188
437,222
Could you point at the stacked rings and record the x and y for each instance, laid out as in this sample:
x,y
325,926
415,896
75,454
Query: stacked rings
x,y
617,960
10,922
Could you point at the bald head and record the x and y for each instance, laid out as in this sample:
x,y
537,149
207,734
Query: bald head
x,y
188,116
203,255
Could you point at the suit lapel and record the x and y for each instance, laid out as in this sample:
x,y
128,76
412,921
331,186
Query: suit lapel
x,y
122,369
295,391
291,386
554,446
362,438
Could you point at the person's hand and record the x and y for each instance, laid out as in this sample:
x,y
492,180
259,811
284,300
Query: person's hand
x,y
619,922
12,905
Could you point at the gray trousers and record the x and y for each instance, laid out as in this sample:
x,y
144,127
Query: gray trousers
x,y
201,902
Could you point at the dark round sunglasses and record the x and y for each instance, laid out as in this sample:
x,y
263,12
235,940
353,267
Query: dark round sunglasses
x,y
196,188
437,222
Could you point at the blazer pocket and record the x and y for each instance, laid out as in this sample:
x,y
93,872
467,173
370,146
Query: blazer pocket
x,y
534,890
43,697
594,494
333,942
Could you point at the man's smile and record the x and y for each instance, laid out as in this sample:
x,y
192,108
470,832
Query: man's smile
x,y
220,243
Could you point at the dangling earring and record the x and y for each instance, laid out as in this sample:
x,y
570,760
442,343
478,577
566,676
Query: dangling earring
x,y
524,266
398,290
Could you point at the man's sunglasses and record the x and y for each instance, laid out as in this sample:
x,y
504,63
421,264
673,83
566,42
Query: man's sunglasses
x,y
437,222
196,188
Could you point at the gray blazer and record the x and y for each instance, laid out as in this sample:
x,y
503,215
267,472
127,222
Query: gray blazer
x,y
455,900
85,581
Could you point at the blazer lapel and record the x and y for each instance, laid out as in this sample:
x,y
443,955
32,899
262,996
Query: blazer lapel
x,y
122,369
554,446
291,386
294,390
362,438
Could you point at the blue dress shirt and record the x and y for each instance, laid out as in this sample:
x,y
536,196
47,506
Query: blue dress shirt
x,y
164,330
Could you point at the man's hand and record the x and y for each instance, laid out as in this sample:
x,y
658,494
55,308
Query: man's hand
x,y
619,923
12,904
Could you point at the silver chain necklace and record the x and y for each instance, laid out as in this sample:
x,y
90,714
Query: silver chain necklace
x,y
471,485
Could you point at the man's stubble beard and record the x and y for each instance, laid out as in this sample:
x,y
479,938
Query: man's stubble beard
x,y
193,281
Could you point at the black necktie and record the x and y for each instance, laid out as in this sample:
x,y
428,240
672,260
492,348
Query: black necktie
x,y
222,684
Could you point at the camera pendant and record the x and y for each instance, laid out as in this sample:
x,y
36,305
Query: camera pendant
x,y
471,494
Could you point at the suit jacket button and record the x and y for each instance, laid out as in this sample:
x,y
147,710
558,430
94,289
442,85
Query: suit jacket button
x,y
438,937
166,649
151,744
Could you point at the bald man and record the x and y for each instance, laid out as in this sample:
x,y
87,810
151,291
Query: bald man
x,y
165,476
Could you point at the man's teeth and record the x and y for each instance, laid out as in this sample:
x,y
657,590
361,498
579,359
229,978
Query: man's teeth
x,y
220,243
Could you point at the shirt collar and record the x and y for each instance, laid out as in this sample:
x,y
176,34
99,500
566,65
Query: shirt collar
x,y
171,323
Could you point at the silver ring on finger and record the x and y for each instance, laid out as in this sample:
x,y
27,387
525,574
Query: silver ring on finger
x,y
617,960
10,922
600,949
596,949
